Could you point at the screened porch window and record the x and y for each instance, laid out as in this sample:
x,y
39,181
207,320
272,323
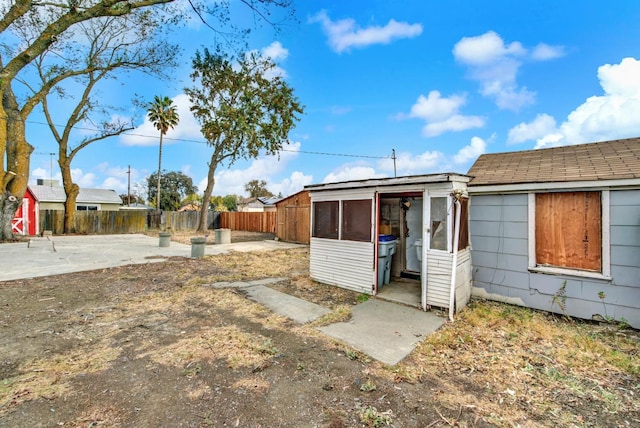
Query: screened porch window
x,y
568,230
325,220
356,220
439,224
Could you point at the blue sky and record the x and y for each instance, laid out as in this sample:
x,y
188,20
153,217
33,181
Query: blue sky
x,y
439,82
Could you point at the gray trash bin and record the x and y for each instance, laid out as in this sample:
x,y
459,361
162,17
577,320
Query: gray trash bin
x,y
386,250
197,247
165,239
223,236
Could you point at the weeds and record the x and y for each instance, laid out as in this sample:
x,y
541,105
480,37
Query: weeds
x,y
370,416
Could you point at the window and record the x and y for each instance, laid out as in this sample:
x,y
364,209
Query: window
x,y
86,207
325,220
439,229
356,220
568,231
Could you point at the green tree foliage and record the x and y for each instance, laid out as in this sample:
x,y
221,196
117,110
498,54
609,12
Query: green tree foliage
x,y
242,112
162,113
257,189
231,202
174,188
224,203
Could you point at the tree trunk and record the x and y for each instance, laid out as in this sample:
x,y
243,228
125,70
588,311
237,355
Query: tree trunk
x,y
71,190
159,170
204,210
9,206
18,153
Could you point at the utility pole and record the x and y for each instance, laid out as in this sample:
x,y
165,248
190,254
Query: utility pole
x,y
129,186
393,156
51,173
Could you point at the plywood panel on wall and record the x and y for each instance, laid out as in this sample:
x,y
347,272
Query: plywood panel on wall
x,y
569,230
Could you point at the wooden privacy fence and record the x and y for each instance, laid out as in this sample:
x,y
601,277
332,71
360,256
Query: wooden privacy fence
x,y
184,220
125,221
96,222
249,221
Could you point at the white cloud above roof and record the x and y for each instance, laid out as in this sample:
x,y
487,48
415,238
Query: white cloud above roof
x,y
612,115
441,114
345,34
495,65
542,125
545,52
476,147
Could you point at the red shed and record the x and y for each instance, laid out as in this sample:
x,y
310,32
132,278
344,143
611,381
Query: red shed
x,y
26,221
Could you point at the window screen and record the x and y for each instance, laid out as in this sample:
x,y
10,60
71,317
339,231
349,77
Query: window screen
x,y
356,220
325,219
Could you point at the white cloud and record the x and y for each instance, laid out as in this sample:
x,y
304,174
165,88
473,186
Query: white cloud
x,y
147,135
81,179
349,172
495,65
615,114
441,114
476,147
542,125
486,49
232,181
275,52
292,184
345,34
410,163
545,52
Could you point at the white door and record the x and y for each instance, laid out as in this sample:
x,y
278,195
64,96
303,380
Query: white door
x,y
435,244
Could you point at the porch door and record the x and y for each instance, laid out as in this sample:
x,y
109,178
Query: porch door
x,y
436,229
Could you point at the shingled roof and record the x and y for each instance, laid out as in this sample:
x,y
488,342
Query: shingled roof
x,y
607,160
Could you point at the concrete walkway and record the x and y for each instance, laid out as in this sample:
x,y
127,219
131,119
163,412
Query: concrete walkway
x,y
385,331
43,256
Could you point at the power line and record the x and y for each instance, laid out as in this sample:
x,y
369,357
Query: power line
x,y
184,140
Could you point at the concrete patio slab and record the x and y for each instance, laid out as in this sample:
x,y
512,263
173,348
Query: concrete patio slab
x,y
43,256
385,331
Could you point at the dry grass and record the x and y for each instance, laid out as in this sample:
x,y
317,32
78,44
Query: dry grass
x,y
511,366
515,364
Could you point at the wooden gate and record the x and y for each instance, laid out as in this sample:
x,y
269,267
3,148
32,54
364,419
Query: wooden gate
x,y
297,219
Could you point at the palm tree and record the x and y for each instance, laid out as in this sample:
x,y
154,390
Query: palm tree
x,y
163,114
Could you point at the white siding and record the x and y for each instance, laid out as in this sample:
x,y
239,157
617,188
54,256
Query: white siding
x,y
347,264
438,278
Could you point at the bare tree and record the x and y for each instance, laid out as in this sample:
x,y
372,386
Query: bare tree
x,y
47,23
109,47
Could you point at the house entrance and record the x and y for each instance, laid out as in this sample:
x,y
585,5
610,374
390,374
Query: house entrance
x,y
401,216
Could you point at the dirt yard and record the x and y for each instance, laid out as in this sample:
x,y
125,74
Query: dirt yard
x,y
153,345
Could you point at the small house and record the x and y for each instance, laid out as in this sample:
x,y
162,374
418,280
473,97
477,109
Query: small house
x,y
52,197
258,205
406,233
293,218
558,229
